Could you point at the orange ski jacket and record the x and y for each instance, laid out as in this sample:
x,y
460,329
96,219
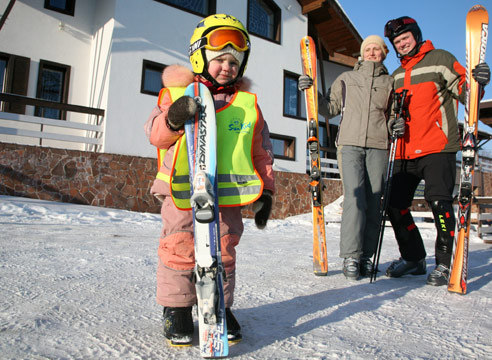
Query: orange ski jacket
x,y
436,82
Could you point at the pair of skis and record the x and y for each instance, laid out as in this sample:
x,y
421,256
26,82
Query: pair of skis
x,y
476,42
309,62
201,142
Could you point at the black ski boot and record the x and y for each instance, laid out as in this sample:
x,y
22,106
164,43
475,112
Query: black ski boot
x,y
233,329
439,276
178,325
402,267
365,266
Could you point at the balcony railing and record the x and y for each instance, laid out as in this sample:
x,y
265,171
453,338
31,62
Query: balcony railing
x,y
87,132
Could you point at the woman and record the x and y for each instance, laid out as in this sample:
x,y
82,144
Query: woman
x,y
363,98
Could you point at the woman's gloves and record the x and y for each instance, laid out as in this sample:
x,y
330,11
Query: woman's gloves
x,y
304,82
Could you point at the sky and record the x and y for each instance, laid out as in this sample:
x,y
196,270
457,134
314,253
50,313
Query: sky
x,y
78,282
441,21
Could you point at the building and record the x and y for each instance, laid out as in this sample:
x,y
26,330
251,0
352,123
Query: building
x,y
84,75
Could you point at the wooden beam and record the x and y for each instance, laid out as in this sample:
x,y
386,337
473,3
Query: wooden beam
x,y
338,57
6,13
313,5
342,59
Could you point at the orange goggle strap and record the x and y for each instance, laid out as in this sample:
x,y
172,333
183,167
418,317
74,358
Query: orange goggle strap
x,y
219,38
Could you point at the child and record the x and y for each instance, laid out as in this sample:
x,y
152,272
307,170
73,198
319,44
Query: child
x,y
219,50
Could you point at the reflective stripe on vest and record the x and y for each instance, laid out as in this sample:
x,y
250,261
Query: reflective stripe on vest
x,y
175,93
238,181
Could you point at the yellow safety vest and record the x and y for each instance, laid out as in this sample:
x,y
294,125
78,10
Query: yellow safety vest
x,y
238,181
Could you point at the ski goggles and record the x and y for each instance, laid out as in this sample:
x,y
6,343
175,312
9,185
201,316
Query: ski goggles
x,y
219,38
395,26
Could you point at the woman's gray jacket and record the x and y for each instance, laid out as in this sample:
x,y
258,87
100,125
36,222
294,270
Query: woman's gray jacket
x,y
363,97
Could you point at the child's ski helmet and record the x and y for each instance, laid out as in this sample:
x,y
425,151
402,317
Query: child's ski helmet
x,y
215,32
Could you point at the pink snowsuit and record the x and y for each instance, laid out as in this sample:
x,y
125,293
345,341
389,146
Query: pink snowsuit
x,y
175,287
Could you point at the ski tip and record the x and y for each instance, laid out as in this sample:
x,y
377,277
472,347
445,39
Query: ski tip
x,y
477,8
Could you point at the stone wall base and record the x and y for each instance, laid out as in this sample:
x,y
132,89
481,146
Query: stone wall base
x,y
120,181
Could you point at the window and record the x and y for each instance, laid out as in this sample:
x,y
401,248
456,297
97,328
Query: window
x,y
3,72
53,80
151,77
292,95
264,19
14,76
66,7
197,7
284,147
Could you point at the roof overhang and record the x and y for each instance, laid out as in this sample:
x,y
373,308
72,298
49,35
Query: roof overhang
x,y
332,30
485,114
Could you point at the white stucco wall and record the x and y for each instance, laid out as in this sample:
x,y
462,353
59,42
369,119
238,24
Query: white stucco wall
x,y
106,42
36,33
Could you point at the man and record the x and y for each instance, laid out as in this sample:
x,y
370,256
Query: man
x,y
429,140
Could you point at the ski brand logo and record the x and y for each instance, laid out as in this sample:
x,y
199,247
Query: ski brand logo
x,y
483,41
197,45
202,143
239,127
443,223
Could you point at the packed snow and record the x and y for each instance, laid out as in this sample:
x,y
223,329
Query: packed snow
x,y
78,282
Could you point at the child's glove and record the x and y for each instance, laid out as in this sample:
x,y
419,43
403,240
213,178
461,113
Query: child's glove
x,y
262,208
180,111
481,74
304,82
397,127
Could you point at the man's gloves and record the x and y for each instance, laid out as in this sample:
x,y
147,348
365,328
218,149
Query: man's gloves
x,y
397,127
180,111
481,74
262,208
304,82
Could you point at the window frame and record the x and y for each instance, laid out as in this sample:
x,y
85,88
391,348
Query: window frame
x,y
277,21
152,65
289,147
46,64
16,80
292,75
69,9
212,7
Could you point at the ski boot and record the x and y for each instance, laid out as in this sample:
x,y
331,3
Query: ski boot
x,y
365,266
178,325
233,329
351,268
402,267
439,276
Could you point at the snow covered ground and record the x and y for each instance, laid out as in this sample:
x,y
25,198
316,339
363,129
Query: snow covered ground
x,y
78,282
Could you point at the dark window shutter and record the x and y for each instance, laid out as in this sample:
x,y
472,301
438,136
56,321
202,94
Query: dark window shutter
x,y
20,78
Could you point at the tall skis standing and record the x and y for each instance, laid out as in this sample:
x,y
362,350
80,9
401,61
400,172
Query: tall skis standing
x,y
308,59
476,42
201,137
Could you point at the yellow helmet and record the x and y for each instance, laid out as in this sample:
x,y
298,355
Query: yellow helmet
x,y
214,33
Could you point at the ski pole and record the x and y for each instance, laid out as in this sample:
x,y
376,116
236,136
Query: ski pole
x,y
398,106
